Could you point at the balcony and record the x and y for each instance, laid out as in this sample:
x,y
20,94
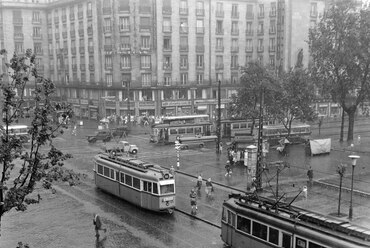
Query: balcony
x,y
72,33
199,48
166,10
167,29
219,48
144,9
37,36
234,31
272,48
145,28
167,66
184,48
219,66
64,35
74,67
234,49
124,28
73,50
261,15
35,21
90,49
56,19
184,11
18,36
219,31
39,52
18,21
80,14
64,18
260,49
124,49
82,50
249,32
82,67
249,15
234,67
184,66
107,11
108,48
220,13
249,49
200,30
91,67
89,31
314,14
184,30
199,12
72,16
57,36
272,31
235,15
65,50
167,48
272,13
81,32
89,13
260,32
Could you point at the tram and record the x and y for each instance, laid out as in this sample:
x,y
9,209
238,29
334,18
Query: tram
x,y
141,183
252,221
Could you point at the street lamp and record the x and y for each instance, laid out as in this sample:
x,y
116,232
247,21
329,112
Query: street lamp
x,y
177,148
354,159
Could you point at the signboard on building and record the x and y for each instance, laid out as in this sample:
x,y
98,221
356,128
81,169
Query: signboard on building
x,y
175,103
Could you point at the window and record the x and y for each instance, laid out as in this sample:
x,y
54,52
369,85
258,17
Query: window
x,y
125,42
109,79
231,218
108,62
234,28
124,23
124,5
200,26
300,243
183,43
184,7
183,78
136,182
122,179
145,61
18,47
166,25
36,16
125,61
107,25
37,48
155,188
147,186
260,45
249,11
167,43
146,79
313,11
234,45
219,77
272,60
273,9
243,224
112,173
128,180
145,23
234,61
220,44
234,79
260,28
200,61
184,28
106,171
167,189
167,62
167,79
200,44
272,44
89,9
234,11
219,27
200,78
184,62
219,62
259,230
272,28
200,8
261,12
249,30
273,236
145,42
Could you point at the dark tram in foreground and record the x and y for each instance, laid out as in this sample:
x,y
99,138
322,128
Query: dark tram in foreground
x,y
144,184
252,221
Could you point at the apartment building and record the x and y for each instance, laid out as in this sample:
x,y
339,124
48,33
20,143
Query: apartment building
x,y
155,57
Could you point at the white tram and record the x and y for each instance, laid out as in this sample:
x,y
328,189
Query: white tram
x,y
252,221
144,184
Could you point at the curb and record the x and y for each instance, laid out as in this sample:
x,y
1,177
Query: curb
x,y
335,187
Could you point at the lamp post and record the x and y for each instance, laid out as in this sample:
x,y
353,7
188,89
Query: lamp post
x,y
219,118
177,148
354,159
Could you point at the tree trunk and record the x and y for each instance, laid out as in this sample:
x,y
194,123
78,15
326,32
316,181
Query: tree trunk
x,y
341,127
340,193
351,123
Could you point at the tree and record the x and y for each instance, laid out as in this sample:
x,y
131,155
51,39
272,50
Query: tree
x,y
21,168
293,101
339,46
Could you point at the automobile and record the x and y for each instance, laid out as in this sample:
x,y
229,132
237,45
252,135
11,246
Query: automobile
x,y
193,144
103,135
120,131
120,148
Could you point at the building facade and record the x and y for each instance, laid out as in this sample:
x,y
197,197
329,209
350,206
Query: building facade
x,y
155,57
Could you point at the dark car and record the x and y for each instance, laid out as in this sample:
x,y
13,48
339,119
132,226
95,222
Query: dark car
x,y
103,135
120,131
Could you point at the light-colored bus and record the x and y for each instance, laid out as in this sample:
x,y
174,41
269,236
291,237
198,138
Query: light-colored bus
x,y
18,130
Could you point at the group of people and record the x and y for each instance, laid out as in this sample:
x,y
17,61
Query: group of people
x,y
194,191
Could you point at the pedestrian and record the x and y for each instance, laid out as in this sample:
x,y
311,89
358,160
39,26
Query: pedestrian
x,y
359,139
199,181
193,200
310,176
172,170
98,226
209,187
228,168
74,131
220,147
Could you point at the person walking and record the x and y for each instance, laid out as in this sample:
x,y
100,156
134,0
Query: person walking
x,y
98,226
228,169
172,170
193,201
199,181
209,187
220,147
310,176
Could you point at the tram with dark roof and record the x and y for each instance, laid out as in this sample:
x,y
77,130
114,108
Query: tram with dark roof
x,y
141,183
252,221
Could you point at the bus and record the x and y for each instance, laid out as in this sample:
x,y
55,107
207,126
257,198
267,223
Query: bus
x,y
141,183
299,133
20,131
254,221
181,127
230,128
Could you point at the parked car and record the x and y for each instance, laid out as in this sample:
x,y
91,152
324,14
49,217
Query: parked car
x,y
103,135
120,148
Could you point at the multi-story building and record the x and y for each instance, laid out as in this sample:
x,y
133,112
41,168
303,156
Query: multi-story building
x,y
155,57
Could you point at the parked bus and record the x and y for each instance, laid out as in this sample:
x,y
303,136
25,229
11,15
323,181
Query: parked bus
x,y
175,127
255,221
142,183
299,133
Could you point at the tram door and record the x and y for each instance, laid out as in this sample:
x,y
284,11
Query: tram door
x,y
230,231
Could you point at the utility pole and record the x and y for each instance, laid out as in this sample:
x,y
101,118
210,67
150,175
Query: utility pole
x,y
219,119
128,103
259,144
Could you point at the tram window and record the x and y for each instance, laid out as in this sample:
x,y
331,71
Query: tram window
x,y
231,218
300,243
273,236
166,189
243,125
243,224
136,182
106,171
155,188
259,230
235,126
173,131
122,178
198,130
287,241
100,169
181,130
128,180
117,175
147,186
112,173
224,214
189,130
314,245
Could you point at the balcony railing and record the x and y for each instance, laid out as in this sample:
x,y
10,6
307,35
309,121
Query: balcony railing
x,y
167,29
234,49
82,50
272,48
219,48
272,13
249,15
199,48
35,21
313,14
249,49
167,66
166,10
72,16
199,12
200,30
234,31
37,36
219,31
145,28
219,66
184,11
72,33
220,13
18,21
184,48
90,49
106,11
167,48
64,35
235,15
272,31
260,49
249,32
184,30
108,48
